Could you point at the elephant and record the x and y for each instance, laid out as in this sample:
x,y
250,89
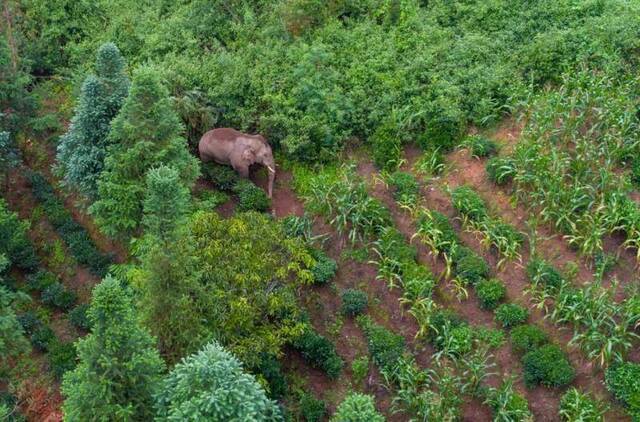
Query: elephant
x,y
240,150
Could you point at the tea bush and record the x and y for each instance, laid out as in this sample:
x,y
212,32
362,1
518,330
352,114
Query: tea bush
x,y
468,203
319,352
511,315
311,408
480,146
251,197
62,357
78,317
547,365
42,337
470,267
406,188
41,280
58,296
14,243
354,302
525,338
384,346
490,293
622,381
325,267
540,271
360,368
271,369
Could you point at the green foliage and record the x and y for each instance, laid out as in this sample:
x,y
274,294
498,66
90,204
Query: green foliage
x,y
470,267
622,381
14,243
319,352
500,170
384,346
354,302
490,293
406,187
251,197
119,367
541,272
325,267
357,407
511,315
271,370
79,318
223,177
480,146
74,235
360,368
525,338
82,149
168,277
494,338
295,226
12,338
469,204
58,296
249,272
62,358
211,385
578,406
9,156
507,404
42,279
144,134
387,146
432,163
547,365
42,337
312,409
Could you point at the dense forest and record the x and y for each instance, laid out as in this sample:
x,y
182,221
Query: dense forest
x,y
453,234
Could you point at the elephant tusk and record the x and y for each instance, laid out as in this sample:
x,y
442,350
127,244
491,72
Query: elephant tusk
x,y
271,170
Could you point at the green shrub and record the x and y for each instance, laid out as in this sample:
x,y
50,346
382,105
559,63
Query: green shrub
x,y
41,280
406,188
471,267
311,408
492,337
540,271
59,296
222,177
622,381
525,338
490,293
507,404
418,281
577,406
480,146
251,197
319,352
386,146
324,269
511,314
360,368
271,369
455,340
78,317
635,172
384,346
14,242
29,322
295,226
468,203
357,407
547,365
41,338
62,357
500,170
354,302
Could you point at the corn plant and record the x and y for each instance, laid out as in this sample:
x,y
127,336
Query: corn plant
x,y
507,404
577,406
431,163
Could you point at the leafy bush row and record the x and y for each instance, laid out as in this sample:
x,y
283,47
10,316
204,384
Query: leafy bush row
x,y
14,242
74,235
319,352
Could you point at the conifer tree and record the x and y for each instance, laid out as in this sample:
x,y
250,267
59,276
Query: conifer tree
x,y
82,149
168,277
211,386
144,135
119,366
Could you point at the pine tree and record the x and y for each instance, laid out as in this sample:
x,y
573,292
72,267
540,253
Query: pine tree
x,y
82,149
211,386
169,272
119,366
145,134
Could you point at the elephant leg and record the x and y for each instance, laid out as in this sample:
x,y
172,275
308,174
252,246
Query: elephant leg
x,y
243,171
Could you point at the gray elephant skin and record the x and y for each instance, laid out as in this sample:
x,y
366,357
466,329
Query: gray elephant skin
x,y
239,150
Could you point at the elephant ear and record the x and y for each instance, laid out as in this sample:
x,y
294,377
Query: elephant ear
x,y
249,156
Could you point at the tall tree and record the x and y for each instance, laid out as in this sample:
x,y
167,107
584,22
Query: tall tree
x,y
145,134
211,386
168,277
82,149
119,367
